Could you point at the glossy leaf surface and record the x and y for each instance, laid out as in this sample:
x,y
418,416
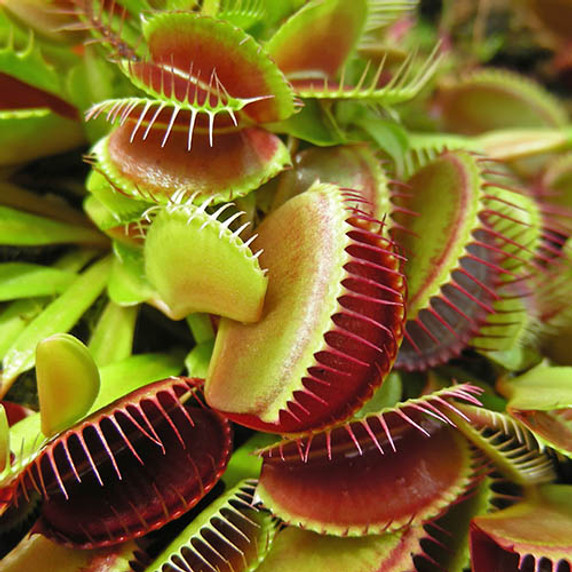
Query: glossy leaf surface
x,y
233,165
318,39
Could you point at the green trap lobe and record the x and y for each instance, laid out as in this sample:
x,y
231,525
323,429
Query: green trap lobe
x,y
509,100
197,264
306,551
531,535
304,283
318,39
348,166
335,294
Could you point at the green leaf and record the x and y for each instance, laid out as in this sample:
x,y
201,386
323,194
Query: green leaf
x,y
318,39
306,551
501,144
541,399
58,317
405,84
542,389
19,135
536,531
22,229
516,359
513,449
15,317
112,338
76,259
93,79
231,533
35,551
381,14
387,396
448,539
123,377
388,135
313,123
511,101
122,209
116,380
197,263
198,360
243,13
207,66
201,327
26,439
27,64
128,284
172,5
51,207
68,382
26,280
245,463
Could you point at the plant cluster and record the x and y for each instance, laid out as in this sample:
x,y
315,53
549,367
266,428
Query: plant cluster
x,y
304,304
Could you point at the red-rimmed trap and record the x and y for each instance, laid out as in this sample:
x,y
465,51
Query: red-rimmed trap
x,y
331,324
389,469
129,468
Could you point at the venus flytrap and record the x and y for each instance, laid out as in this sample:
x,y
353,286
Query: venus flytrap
x,y
180,237
65,371
335,271
254,170
33,95
548,415
231,532
60,454
509,536
34,551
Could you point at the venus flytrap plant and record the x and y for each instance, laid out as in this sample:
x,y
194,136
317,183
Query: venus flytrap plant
x,y
509,537
231,533
65,370
60,462
180,237
349,326
460,291
442,545
255,174
516,102
34,551
512,448
549,415
94,461
301,478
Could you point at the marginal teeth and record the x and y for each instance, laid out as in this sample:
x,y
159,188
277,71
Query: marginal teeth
x,y
140,120
224,207
238,232
226,224
153,119
250,240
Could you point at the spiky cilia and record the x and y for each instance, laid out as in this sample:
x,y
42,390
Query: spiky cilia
x,y
106,466
301,478
337,280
